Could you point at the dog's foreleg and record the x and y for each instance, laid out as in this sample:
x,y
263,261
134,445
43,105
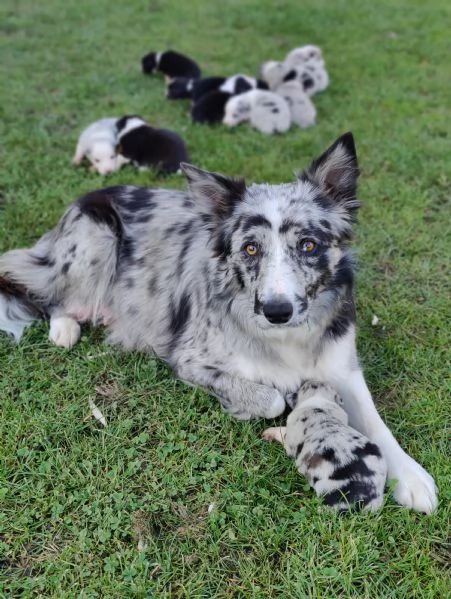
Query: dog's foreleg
x,y
414,488
242,398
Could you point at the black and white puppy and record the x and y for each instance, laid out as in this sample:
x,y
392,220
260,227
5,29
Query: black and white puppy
x,y
341,464
210,108
181,88
238,84
170,63
147,147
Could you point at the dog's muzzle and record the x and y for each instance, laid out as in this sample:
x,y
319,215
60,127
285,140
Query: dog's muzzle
x,y
278,311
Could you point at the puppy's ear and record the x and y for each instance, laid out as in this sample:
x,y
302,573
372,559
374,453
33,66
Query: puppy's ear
x,y
336,172
213,193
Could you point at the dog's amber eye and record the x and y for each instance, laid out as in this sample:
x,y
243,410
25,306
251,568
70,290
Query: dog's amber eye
x,y
251,249
307,246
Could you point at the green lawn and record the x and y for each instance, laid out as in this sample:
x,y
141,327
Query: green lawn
x,y
76,498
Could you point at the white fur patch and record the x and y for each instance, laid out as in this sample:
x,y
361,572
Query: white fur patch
x,y
64,331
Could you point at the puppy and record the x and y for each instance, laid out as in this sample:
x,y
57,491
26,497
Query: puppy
x,y
97,143
170,63
180,88
238,84
210,108
302,110
265,110
146,147
308,54
341,464
273,73
186,87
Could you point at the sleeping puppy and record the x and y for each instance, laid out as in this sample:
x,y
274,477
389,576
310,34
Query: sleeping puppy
x,y
302,109
341,464
172,64
238,84
308,54
97,143
146,147
265,110
210,108
313,77
186,87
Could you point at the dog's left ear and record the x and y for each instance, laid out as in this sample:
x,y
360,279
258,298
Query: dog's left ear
x,y
214,193
336,172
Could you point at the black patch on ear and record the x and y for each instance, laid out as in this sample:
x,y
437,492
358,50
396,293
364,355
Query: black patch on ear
x,y
241,85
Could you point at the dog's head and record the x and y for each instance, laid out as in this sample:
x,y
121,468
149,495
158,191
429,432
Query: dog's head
x,y
149,63
237,110
319,396
102,156
282,249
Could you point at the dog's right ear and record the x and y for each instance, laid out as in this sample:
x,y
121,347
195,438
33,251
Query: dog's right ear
x,y
213,193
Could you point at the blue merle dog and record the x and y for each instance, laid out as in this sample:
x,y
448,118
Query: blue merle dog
x,y
245,290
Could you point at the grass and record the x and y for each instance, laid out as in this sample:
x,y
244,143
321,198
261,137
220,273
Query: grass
x,y
75,498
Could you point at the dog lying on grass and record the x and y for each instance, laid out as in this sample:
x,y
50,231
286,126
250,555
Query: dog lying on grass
x,y
244,290
97,143
341,464
264,110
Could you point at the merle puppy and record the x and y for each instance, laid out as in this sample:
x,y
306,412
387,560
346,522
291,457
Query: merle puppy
x,y
341,464
147,147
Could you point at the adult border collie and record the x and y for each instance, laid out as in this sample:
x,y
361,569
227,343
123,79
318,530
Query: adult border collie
x,y
246,291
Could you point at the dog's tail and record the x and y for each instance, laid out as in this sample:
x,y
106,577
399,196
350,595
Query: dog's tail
x,y
69,271
27,287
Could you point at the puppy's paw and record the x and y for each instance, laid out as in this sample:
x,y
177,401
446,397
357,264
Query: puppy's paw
x,y
275,433
64,331
415,488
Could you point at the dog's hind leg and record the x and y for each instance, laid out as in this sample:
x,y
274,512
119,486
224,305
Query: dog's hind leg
x,y
67,275
243,399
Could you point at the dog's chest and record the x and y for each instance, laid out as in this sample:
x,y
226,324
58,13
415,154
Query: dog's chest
x,y
285,367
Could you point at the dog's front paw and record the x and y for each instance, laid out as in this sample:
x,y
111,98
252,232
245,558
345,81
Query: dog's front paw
x,y
415,488
265,403
64,331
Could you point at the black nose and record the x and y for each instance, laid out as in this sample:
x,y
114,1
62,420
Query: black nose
x,y
278,311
